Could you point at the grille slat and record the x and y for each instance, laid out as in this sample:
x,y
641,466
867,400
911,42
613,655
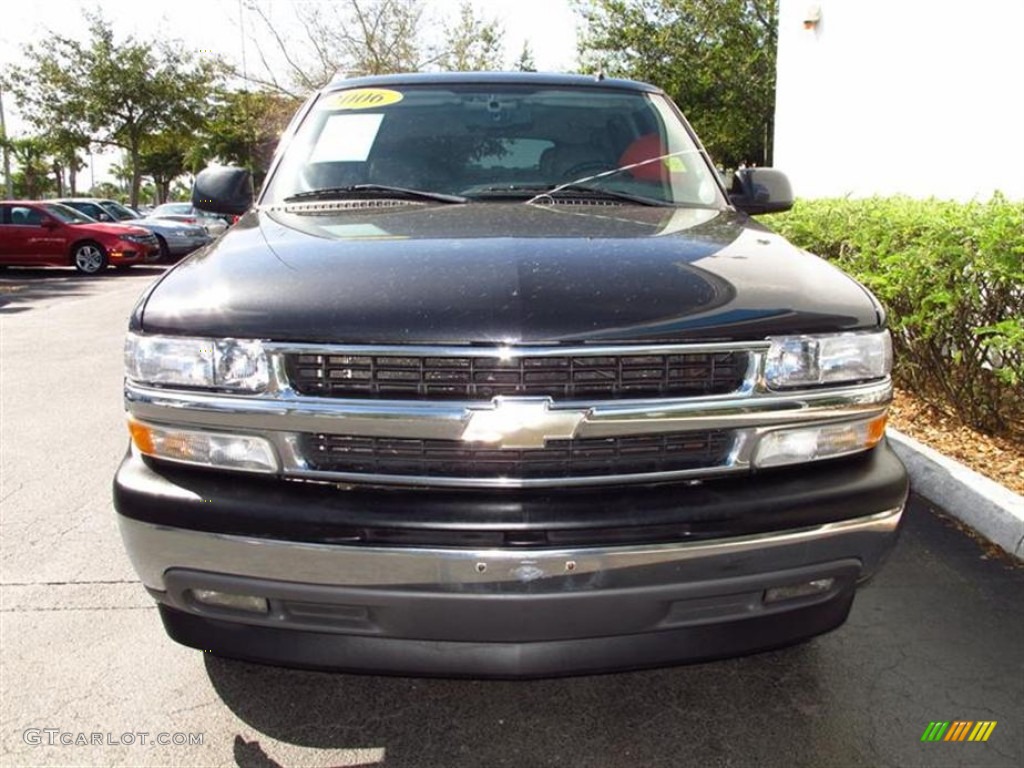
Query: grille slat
x,y
481,378
580,457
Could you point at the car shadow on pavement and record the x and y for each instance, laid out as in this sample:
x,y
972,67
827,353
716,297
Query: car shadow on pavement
x,y
637,718
22,289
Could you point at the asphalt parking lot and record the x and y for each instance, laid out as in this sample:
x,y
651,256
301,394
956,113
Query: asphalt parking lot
x,y
939,635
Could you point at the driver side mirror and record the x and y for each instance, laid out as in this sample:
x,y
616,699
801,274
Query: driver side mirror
x,y
223,190
761,190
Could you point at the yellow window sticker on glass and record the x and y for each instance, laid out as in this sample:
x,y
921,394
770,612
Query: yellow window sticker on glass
x,y
675,164
364,98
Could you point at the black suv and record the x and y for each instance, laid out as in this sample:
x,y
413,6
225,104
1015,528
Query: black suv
x,y
495,378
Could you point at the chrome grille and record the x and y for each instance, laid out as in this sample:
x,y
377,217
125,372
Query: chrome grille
x,y
580,457
569,377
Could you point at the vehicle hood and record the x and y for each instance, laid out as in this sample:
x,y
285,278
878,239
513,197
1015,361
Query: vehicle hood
x,y
165,225
503,272
113,228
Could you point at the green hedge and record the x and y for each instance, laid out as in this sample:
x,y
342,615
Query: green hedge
x,y
952,277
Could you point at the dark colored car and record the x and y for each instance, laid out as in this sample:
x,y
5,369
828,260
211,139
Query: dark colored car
x,y
37,234
496,378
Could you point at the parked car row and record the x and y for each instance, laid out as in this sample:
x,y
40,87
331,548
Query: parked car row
x,y
92,233
175,238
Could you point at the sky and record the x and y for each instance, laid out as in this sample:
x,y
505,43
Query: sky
x,y
548,25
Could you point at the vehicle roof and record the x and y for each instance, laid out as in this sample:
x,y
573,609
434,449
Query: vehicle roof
x,y
498,78
30,202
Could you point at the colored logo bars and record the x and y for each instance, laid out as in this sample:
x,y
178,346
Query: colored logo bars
x,y
959,730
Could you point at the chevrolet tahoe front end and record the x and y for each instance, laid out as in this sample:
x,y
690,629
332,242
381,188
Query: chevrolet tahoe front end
x,y
507,403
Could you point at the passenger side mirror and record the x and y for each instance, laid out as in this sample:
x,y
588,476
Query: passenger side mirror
x,y
223,190
761,190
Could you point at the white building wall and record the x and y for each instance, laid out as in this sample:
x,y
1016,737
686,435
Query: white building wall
x,y
917,97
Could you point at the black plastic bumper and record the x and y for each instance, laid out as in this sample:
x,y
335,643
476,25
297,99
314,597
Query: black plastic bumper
x,y
252,505
433,658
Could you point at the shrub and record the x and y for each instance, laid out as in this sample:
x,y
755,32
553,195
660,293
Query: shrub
x,y
952,278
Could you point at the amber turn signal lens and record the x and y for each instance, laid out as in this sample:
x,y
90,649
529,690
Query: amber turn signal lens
x,y
876,430
797,445
211,449
141,436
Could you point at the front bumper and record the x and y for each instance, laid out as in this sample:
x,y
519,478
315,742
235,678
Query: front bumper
x,y
506,611
127,255
181,245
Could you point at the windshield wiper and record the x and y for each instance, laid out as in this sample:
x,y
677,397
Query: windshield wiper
x,y
536,193
578,184
373,190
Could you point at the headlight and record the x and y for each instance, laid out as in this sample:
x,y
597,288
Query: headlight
x,y
196,362
801,361
138,238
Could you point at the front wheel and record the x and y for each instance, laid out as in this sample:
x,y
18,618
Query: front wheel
x,y
159,255
89,258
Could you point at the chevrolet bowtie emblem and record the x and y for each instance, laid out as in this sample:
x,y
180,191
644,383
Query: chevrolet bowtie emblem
x,y
521,424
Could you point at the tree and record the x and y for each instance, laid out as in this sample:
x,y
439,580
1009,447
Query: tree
x,y
365,37
31,154
525,61
164,157
122,173
116,92
244,129
472,44
64,144
107,190
715,58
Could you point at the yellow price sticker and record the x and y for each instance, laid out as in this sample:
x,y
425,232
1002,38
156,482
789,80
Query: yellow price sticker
x,y
364,98
675,164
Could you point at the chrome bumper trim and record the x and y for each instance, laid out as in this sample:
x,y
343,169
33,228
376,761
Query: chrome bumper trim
x,y
447,421
155,549
282,421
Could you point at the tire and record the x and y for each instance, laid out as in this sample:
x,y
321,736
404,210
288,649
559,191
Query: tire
x,y
162,255
89,257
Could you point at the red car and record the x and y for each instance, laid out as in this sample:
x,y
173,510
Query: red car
x,y
45,234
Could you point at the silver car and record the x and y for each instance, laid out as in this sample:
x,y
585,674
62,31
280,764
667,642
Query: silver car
x,y
213,223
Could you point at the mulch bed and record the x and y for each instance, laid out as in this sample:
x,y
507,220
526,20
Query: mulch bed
x,y
997,458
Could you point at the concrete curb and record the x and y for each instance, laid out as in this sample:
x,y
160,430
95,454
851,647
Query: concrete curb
x,y
996,512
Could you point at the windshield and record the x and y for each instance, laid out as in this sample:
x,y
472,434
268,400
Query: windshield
x,y
118,211
67,215
494,141
176,209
